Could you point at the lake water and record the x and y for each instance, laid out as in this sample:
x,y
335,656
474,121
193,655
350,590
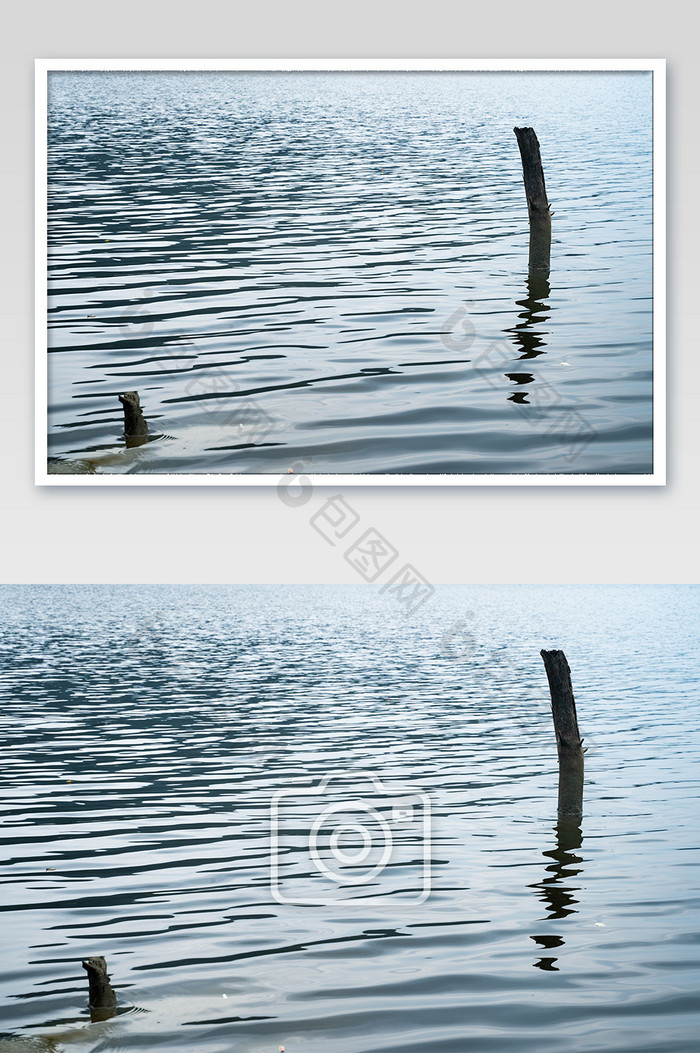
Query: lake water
x,y
146,731
330,268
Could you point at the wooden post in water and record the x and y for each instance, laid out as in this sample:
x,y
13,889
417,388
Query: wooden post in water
x,y
537,204
102,999
135,424
566,730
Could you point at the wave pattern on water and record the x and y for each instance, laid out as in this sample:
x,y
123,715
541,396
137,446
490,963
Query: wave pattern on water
x,y
330,268
147,730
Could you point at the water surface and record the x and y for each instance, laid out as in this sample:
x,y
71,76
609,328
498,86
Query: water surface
x,y
331,268
147,729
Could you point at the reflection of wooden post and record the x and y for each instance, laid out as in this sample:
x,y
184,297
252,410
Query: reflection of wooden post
x,y
537,204
567,733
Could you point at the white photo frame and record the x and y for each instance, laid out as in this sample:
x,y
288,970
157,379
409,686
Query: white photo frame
x,y
657,474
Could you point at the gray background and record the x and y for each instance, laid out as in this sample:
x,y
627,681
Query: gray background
x,y
473,534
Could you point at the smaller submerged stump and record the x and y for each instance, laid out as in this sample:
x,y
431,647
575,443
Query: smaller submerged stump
x,y
569,741
537,204
135,424
102,999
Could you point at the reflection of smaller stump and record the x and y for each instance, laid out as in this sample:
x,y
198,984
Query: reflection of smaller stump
x,y
102,999
135,425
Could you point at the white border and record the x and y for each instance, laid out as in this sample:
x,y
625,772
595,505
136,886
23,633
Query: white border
x,y
656,66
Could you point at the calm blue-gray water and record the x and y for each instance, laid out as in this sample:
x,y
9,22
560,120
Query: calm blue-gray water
x,y
148,730
330,268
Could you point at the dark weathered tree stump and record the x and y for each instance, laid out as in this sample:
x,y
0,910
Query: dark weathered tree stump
x,y
135,425
102,999
569,741
537,204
